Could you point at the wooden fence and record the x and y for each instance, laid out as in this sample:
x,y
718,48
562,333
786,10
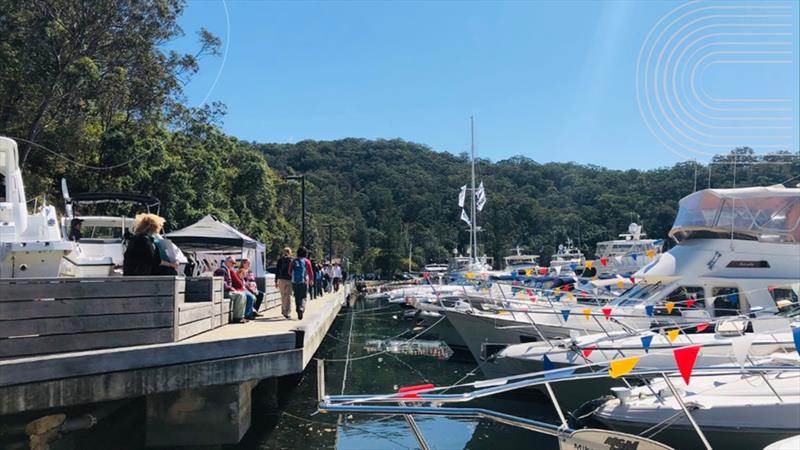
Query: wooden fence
x,y
53,315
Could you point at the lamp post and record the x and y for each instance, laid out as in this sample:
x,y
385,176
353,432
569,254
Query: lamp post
x,y
302,179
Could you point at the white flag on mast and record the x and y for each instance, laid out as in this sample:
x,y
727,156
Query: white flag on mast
x,y
480,197
465,217
462,195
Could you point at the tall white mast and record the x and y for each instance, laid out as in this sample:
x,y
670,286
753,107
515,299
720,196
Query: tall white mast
x,y
473,235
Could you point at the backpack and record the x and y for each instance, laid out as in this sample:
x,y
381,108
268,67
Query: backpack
x,y
299,271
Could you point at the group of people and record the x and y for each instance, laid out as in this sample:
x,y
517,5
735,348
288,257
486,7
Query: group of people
x,y
301,277
147,253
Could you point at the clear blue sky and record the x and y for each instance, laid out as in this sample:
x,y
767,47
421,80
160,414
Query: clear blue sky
x,y
553,81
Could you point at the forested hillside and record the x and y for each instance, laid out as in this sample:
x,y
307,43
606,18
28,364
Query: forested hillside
x,y
91,95
398,194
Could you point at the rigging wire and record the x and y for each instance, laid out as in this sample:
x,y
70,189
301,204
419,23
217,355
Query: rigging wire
x,y
72,161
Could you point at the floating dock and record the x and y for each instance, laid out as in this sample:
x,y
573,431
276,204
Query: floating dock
x,y
70,342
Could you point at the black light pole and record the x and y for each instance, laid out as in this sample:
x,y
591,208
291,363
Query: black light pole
x,y
302,179
330,243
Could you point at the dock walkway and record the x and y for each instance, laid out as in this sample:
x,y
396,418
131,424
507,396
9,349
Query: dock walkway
x,y
228,358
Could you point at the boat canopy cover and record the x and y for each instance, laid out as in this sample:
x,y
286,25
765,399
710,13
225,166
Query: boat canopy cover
x,y
211,234
770,214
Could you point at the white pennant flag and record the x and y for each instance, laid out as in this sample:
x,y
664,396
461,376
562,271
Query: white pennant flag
x,y
465,217
462,195
741,347
480,197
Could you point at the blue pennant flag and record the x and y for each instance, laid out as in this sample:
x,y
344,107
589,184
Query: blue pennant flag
x,y
573,267
633,255
547,364
649,310
646,340
513,274
796,336
565,313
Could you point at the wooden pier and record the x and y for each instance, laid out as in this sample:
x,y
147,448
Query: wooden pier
x,y
69,342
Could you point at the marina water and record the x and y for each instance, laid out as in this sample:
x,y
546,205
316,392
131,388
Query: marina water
x,y
382,373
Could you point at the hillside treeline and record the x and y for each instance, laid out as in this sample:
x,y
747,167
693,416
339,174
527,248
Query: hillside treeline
x,y
92,96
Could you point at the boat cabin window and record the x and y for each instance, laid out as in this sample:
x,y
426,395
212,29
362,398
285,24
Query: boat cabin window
x,y
636,294
679,296
2,188
101,232
727,301
783,295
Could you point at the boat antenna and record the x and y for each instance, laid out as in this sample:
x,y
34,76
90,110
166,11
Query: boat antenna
x,y
474,236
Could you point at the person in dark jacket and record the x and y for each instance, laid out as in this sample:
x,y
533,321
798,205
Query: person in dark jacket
x,y
283,281
142,256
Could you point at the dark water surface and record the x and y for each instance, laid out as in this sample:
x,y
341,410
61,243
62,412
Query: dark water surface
x,y
294,427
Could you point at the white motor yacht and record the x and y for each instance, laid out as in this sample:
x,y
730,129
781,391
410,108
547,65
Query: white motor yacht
x,y
626,255
31,245
568,260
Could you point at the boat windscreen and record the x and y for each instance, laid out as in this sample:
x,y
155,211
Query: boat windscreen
x,y
767,218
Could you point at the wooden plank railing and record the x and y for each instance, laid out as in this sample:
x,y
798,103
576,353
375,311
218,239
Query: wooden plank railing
x,y
54,315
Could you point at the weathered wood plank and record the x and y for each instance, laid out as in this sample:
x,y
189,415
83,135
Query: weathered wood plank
x,y
86,324
83,307
81,364
70,288
38,345
188,315
194,328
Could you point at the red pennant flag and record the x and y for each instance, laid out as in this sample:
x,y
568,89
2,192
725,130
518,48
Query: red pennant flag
x,y
516,282
426,275
583,294
566,288
604,261
701,327
606,312
543,271
690,303
685,358
633,280
588,351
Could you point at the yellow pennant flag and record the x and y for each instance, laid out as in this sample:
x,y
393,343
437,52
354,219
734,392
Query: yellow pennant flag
x,y
529,272
670,306
595,278
469,275
587,313
557,291
620,367
650,253
521,294
570,296
588,264
502,311
620,284
673,334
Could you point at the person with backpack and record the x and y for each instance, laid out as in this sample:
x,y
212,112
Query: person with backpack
x,y
283,281
302,277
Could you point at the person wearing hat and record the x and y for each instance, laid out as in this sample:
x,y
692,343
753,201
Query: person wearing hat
x,y
75,230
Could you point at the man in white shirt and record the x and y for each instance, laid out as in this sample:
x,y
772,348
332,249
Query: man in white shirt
x,y
337,276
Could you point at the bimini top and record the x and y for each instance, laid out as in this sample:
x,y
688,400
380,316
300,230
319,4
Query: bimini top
x,y
768,214
114,197
211,234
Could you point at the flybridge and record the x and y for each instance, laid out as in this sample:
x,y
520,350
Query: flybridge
x,y
766,214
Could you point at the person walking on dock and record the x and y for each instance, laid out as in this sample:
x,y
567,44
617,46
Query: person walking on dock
x,y
302,278
143,256
283,281
337,276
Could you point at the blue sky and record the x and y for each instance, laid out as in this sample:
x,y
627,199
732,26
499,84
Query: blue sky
x,y
553,81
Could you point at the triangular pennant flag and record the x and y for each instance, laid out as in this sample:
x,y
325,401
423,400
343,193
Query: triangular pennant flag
x,y
701,327
796,337
620,284
589,264
587,313
633,255
528,272
651,253
670,307
685,358
620,367
646,341
469,275
673,334
741,346
607,312
543,271
573,267
516,282
565,314
557,291
618,259
690,303
513,274
566,287
603,261
588,351
648,309
521,294
547,364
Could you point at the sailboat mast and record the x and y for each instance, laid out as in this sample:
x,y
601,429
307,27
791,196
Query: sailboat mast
x,y
473,236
